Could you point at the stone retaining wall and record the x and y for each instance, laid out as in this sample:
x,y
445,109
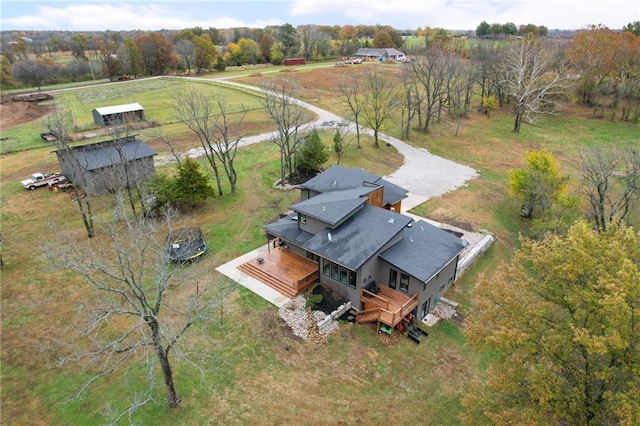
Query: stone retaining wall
x,y
322,324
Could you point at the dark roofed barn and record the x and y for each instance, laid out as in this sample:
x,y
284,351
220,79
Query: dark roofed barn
x,y
107,167
118,114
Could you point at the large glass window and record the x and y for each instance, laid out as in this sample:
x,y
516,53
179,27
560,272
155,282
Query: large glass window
x,y
302,218
326,268
352,279
335,271
343,275
393,278
404,283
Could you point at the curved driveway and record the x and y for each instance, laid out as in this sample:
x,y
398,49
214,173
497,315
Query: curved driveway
x,y
423,174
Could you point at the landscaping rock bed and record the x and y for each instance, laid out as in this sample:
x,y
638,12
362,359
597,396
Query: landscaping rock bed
x,y
304,322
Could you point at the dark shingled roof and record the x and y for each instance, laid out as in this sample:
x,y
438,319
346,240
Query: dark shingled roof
x,y
424,250
338,178
333,207
105,154
359,238
287,228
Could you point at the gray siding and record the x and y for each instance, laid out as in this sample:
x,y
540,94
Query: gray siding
x,y
313,226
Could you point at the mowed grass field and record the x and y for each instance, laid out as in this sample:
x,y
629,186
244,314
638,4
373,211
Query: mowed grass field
x,y
260,374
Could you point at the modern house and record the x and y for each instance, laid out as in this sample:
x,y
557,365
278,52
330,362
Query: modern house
x,y
109,166
380,54
347,233
118,114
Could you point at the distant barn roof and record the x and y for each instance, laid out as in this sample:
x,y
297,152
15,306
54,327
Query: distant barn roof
x,y
119,109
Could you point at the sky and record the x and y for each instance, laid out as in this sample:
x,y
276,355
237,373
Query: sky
x,y
90,15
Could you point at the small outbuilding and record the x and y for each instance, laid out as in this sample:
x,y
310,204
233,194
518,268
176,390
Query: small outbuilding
x,y
380,54
109,166
118,114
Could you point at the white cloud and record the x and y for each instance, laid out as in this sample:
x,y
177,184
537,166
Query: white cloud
x,y
122,16
467,14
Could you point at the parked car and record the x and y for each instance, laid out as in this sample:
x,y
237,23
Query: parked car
x,y
186,244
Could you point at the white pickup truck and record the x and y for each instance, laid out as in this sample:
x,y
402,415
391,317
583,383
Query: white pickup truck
x,y
40,179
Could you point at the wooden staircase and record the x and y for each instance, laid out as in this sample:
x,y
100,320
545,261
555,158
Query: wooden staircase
x,y
289,290
369,315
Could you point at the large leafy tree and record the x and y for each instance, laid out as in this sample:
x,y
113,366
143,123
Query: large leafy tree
x,y
312,154
158,54
288,41
539,184
563,319
205,52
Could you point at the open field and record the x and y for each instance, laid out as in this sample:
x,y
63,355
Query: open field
x,y
261,374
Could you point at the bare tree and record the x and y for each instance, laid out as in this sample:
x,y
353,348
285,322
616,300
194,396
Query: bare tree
x,y
536,76
143,305
490,70
431,70
187,51
227,145
611,182
288,116
379,101
411,102
310,36
199,113
60,123
352,96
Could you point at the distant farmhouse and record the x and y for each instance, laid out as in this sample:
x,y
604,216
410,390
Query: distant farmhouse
x,y
119,114
107,167
347,233
380,54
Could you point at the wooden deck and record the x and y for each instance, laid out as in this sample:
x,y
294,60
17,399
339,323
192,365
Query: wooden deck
x,y
388,306
283,270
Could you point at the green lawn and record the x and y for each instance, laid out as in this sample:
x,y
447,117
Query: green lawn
x,y
258,373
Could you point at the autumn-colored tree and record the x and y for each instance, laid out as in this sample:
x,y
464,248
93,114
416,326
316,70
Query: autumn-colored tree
x,y
205,52
158,55
111,64
382,39
563,322
539,184
591,52
132,58
266,44
6,73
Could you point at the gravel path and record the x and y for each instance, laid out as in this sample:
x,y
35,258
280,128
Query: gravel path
x,y
423,174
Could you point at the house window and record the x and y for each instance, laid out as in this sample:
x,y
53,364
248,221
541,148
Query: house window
x,y
442,287
404,283
302,218
326,268
313,257
335,271
393,278
352,279
343,275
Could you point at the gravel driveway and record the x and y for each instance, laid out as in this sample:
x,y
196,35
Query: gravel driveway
x,y
423,174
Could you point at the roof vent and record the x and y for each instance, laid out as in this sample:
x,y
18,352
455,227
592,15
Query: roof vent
x,y
329,236
411,239
334,182
390,220
324,208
